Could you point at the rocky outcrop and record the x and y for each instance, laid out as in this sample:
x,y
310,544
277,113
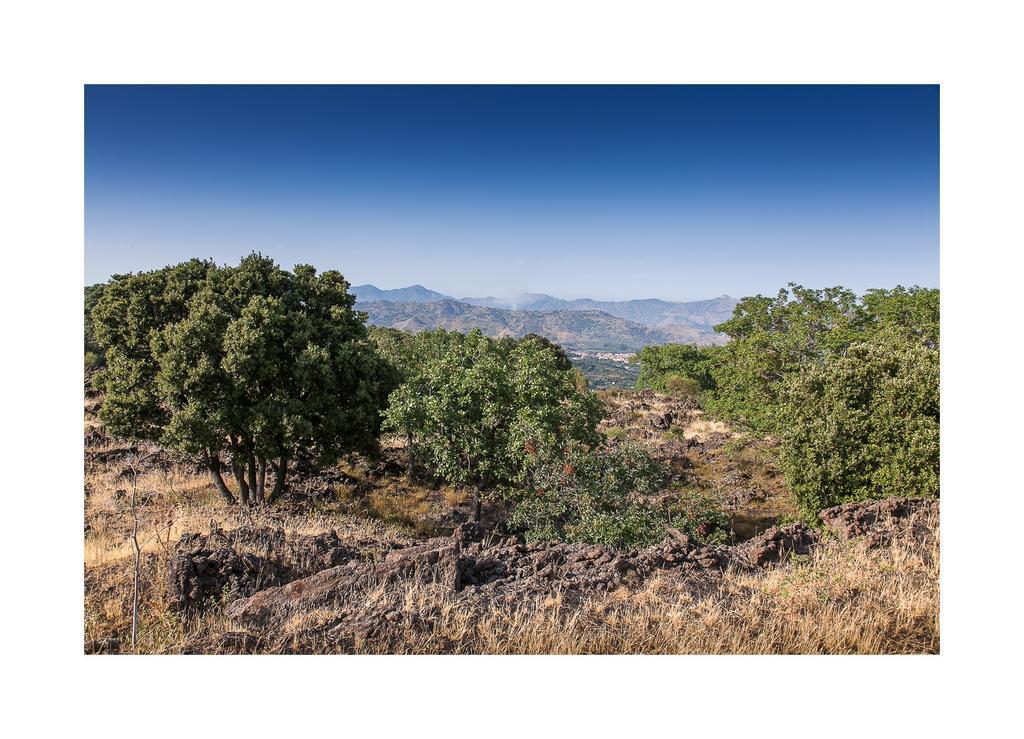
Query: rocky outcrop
x,y
776,544
197,577
359,600
464,566
876,522
235,564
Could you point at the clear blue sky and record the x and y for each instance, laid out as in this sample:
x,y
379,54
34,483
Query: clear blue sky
x,y
613,192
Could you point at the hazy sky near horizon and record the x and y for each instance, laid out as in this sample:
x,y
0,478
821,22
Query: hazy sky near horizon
x,y
610,192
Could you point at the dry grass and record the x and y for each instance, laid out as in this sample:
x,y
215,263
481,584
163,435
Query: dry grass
x,y
842,600
701,428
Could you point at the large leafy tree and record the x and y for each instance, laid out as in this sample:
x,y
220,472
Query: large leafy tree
x,y
864,424
773,339
474,409
253,364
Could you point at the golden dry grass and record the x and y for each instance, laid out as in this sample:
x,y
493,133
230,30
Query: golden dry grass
x,y
701,428
843,599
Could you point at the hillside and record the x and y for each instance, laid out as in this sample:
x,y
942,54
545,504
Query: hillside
x,y
388,564
702,314
411,294
573,329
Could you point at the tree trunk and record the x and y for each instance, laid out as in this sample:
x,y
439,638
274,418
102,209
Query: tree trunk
x,y
254,490
261,481
214,463
243,486
476,504
282,473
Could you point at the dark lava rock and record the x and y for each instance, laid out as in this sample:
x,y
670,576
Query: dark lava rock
x,y
463,565
200,576
243,561
878,521
777,543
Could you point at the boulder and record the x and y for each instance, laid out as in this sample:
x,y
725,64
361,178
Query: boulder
x,y
877,521
777,544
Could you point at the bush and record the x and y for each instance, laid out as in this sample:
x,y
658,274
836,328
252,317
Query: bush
x,y
582,494
864,425
681,387
700,515
472,408
680,369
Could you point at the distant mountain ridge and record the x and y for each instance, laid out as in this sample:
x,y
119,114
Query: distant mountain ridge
x,y
587,330
411,294
699,314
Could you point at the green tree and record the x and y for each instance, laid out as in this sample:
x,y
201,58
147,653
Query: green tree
x,y
913,312
594,495
93,352
251,362
671,367
472,408
864,424
772,338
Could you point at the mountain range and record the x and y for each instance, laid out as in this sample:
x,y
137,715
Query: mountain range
x,y
580,324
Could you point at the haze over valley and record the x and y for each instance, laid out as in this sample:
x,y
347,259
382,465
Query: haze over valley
x,y
581,324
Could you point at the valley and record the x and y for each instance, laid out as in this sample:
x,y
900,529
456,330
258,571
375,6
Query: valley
x,y
584,324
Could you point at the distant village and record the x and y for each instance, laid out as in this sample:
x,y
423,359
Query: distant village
x,y
621,357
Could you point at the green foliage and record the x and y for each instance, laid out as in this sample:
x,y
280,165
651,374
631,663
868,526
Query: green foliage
x,y
773,339
592,495
678,369
850,383
864,424
700,514
912,312
474,407
251,360
93,353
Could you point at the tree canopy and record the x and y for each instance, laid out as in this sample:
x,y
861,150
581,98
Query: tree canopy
x,y
254,362
864,425
849,383
472,407
773,339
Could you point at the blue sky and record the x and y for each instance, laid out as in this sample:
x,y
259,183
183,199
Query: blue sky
x,y
611,192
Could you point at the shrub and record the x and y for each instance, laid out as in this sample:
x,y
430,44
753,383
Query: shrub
x,y
472,408
675,368
582,494
681,387
700,514
864,425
